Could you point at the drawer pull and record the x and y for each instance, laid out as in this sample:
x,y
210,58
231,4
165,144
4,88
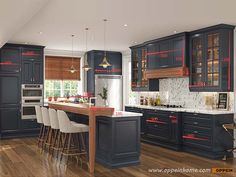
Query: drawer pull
x,y
172,117
156,121
195,114
195,132
192,136
195,123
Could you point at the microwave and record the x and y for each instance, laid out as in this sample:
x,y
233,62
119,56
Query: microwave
x,y
32,90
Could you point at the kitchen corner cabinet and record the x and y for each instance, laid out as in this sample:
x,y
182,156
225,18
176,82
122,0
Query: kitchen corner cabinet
x,y
138,67
32,66
211,59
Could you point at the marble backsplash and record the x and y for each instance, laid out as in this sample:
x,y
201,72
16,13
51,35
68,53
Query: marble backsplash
x,y
176,91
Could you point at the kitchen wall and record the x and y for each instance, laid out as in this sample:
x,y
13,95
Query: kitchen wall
x,y
176,91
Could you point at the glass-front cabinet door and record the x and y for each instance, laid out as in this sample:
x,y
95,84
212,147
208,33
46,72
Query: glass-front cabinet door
x,y
213,59
197,61
144,82
134,70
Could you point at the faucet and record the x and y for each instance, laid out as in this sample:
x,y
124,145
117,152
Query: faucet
x,y
90,100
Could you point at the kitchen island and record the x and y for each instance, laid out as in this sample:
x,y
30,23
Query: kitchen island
x,y
114,135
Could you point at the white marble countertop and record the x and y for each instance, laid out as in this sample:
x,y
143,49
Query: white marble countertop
x,y
126,114
213,112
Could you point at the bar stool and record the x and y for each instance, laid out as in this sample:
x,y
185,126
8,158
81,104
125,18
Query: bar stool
x,y
56,140
40,121
47,125
73,143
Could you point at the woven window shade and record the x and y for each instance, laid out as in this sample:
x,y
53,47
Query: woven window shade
x,y
57,68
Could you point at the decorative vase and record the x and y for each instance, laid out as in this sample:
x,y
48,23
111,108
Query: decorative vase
x,y
105,103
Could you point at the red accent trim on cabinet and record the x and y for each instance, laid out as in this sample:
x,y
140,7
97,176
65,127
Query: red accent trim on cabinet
x,y
229,63
7,63
108,71
172,117
30,53
174,121
161,52
192,136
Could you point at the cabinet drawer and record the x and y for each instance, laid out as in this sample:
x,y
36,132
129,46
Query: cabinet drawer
x,y
197,130
198,120
29,124
160,131
197,140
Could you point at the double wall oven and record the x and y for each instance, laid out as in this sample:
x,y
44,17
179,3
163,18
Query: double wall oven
x,y
31,95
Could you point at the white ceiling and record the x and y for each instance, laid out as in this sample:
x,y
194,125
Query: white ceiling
x,y
14,14
146,19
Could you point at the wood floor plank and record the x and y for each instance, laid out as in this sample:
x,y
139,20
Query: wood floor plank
x,y
22,158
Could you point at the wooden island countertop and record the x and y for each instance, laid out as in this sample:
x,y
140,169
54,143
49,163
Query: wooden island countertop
x,y
92,112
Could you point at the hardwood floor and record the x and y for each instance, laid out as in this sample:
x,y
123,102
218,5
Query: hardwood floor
x,y
21,158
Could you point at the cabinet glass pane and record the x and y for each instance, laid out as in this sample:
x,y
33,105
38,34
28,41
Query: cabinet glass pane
x,y
197,60
144,82
213,59
135,69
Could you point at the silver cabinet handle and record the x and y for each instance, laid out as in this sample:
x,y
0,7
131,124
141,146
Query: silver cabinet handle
x,y
195,131
195,123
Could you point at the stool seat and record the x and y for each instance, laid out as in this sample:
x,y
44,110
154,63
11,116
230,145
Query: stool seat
x,y
81,127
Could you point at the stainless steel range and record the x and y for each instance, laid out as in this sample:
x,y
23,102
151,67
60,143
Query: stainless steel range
x,y
31,95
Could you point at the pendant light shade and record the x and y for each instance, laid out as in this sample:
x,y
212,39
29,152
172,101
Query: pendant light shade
x,y
86,66
72,68
105,62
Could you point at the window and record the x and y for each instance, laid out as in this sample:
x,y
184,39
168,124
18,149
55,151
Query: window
x,y
61,88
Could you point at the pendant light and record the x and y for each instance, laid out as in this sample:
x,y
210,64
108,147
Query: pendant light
x,y
72,68
86,66
105,63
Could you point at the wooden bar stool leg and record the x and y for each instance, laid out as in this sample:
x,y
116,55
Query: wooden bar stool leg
x,y
68,146
40,135
64,146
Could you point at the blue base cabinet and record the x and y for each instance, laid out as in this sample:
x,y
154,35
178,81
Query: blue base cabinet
x,y
118,141
204,135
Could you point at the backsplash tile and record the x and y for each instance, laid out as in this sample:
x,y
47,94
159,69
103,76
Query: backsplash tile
x,y
176,91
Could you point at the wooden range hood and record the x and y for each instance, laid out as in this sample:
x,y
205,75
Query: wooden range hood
x,y
166,73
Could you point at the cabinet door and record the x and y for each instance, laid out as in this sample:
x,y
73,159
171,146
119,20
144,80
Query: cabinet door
x,y
9,118
134,69
165,55
178,45
27,72
152,56
197,64
10,60
37,72
212,59
32,54
9,90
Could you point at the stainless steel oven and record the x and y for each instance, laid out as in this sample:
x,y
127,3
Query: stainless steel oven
x,y
32,90
32,95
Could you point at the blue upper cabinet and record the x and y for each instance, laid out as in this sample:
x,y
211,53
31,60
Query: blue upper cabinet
x,y
211,59
114,58
10,59
138,68
167,52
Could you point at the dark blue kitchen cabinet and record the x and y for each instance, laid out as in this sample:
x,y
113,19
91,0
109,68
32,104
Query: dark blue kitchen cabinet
x,y
138,69
167,52
94,58
118,141
32,66
204,135
10,115
211,59
10,59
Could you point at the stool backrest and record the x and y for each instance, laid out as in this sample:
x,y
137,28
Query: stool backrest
x,y
45,115
39,114
53,118
64,121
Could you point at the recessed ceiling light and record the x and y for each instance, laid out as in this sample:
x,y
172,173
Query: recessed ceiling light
x,y
175,32
135,42
125,25
26,43
40,32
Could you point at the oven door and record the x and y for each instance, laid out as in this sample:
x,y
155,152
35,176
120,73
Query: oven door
x,y
28,111
26,93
